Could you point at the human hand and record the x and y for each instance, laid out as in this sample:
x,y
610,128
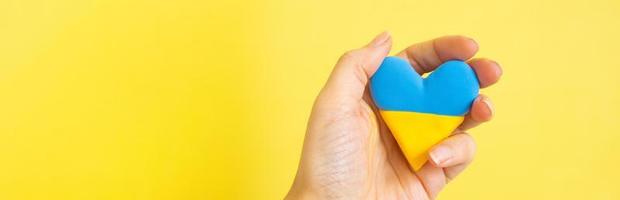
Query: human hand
x,y
349,153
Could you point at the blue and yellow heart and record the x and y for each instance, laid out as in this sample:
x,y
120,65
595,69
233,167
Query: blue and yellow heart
x,y
420,112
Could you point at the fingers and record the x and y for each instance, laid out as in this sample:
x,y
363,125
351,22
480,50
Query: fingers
x,y
453,154
488,71
446,160
354,68
426,56
481,111
454,150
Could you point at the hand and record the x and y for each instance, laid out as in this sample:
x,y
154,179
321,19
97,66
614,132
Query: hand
x,y
349,153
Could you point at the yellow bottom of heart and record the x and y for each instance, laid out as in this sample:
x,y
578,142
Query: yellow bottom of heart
x,y
416,133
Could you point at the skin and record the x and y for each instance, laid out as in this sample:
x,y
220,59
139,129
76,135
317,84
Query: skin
x,y
349,153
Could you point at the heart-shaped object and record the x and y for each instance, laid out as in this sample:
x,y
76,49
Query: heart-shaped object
x,y
420,112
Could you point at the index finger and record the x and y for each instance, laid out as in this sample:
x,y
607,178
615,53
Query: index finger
x,y
428,55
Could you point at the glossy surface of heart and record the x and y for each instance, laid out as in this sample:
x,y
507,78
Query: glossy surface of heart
x,y
419,111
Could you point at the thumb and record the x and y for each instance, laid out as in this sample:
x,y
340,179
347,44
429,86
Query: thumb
x,y
353,70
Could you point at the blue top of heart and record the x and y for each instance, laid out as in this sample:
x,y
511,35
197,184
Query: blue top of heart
x,y
449,90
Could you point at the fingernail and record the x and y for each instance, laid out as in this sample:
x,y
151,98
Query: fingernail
x,y
474,41
441,154
489,105
380,39
499,70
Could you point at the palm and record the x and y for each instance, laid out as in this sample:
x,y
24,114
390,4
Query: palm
x,y
389,175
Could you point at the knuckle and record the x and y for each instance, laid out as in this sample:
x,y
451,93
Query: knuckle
x,y
354,59
350,56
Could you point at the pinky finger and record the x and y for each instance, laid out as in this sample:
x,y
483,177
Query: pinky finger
x,y
481,111
453,154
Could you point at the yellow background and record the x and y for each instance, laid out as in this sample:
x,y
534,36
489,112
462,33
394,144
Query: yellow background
x,y
194,99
